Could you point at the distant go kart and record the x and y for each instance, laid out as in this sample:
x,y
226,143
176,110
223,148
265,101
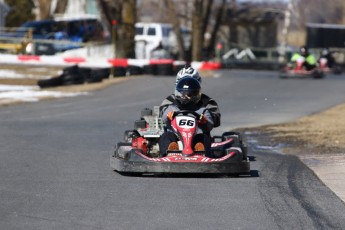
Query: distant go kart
x,y
139,152
297,71
335,69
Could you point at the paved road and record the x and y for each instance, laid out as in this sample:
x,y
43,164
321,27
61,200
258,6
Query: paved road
x,y
55,173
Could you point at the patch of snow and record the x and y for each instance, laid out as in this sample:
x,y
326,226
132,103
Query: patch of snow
x,y
13,74
17,88
30,93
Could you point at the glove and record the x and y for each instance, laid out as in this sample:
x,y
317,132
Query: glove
x,y
202,119
170,115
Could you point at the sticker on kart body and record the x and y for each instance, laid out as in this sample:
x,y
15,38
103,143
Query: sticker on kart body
x,y
185,122
181,159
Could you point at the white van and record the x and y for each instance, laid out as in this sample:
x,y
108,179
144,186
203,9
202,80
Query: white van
x,y
149,36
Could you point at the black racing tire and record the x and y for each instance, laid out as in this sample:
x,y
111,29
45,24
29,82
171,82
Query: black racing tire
x,y
177,68
337,69
150,69
119,71
139,124
146,112
98,74
318,74
72,79
134,70
226,135
52,82
86,73
71,70
245,151
165,69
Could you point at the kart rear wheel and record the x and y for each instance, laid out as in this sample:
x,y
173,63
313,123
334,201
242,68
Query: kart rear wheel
x,y
146,112
235,135
139,124
318,74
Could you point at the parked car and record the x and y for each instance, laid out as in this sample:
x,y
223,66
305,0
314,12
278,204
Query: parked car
x,y
68,30
153,36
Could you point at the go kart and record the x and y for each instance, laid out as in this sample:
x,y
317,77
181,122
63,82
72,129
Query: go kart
x,y
139,151
297,71
335,68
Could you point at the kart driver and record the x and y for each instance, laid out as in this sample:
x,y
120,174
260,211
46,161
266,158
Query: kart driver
x,y
188,96
210,104
325,53
309,60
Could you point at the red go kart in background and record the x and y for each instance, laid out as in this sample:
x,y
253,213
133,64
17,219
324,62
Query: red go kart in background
x,y
297,70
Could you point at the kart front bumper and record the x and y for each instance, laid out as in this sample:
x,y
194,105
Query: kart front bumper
x,y
144,166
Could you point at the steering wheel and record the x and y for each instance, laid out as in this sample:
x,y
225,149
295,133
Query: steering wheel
x,y
186,112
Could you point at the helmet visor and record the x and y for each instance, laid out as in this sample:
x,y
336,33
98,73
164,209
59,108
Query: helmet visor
x,y
186,96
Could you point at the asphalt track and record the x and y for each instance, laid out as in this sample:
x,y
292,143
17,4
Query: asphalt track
x,y
55,173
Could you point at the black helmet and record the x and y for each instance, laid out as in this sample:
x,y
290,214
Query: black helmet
x,y
325,51
188,91
304,50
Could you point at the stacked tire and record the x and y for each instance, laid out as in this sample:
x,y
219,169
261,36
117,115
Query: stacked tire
x,y
72,76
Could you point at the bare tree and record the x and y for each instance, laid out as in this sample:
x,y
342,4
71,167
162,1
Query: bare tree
x,y
120,16
219,16
44,7
197,34
61,7
317,11
177,28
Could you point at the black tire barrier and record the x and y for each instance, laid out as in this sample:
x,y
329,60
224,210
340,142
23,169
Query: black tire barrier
x,y
165,69
72,79
177,68
97,75
134,70
256,65
86,73
52,82
72,76
150,69
139,124
71,70
119,71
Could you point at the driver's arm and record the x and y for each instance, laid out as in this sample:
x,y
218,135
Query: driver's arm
x,y
164,112
209,125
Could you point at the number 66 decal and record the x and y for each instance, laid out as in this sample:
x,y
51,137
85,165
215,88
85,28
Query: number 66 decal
x,y
185,122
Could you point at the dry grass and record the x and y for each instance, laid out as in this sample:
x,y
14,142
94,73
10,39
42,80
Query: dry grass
x,y
323,132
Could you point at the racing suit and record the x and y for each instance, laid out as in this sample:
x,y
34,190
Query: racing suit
x,y
309,60
206,106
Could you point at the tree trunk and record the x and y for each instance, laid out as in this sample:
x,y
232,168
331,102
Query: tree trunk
x,y
120,16
44,9
219,17
177,28
233,30
125,44
197,35
61,7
